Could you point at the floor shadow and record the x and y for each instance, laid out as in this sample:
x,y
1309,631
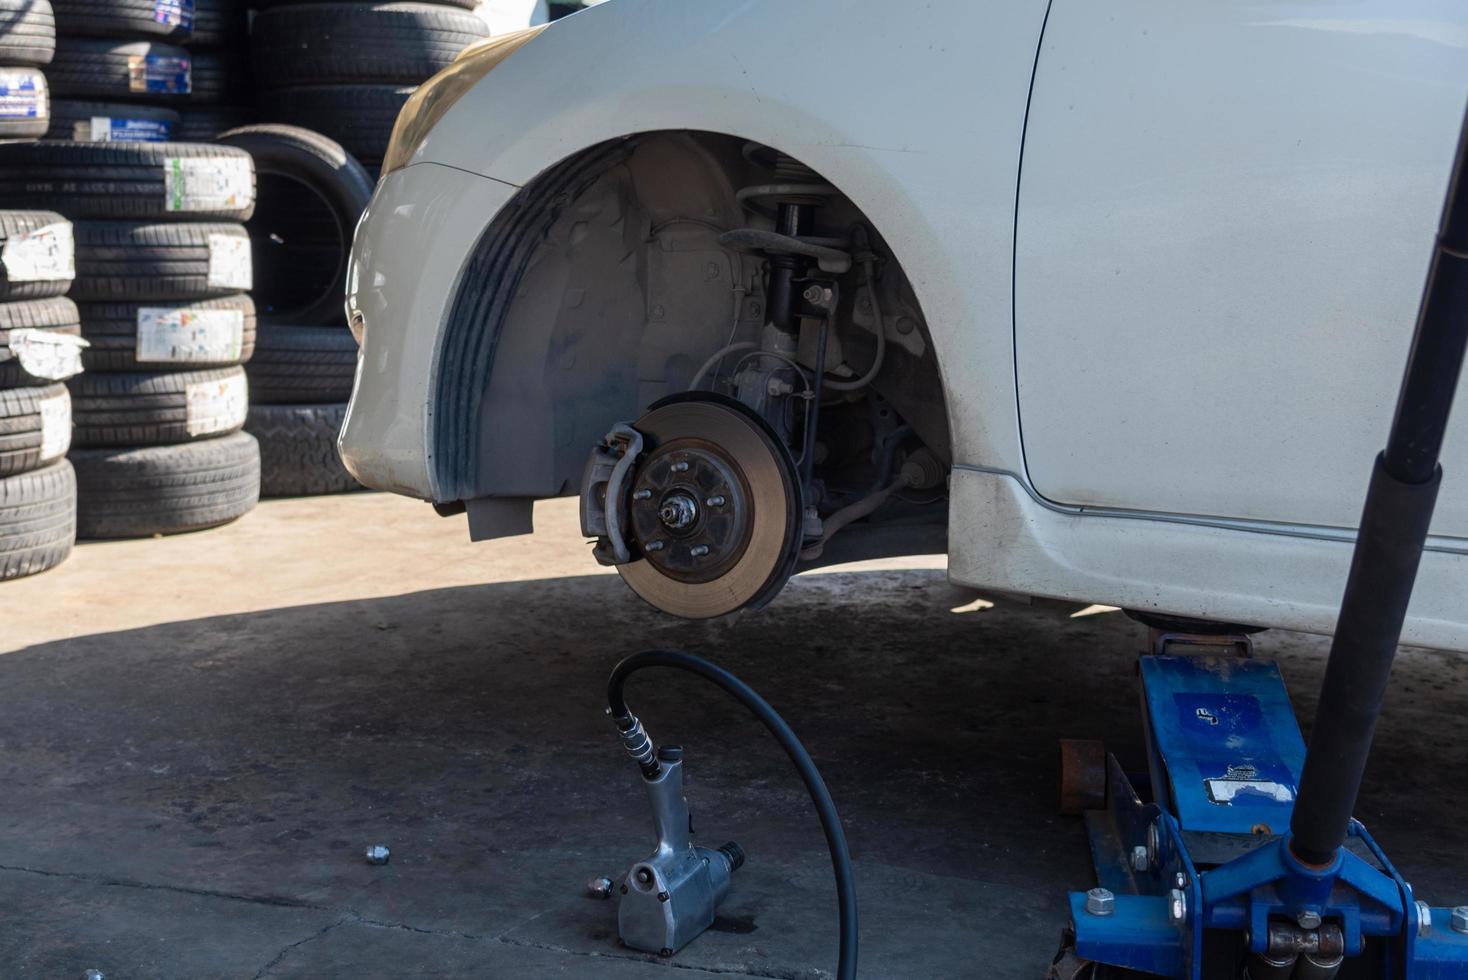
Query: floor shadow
x,y
193,799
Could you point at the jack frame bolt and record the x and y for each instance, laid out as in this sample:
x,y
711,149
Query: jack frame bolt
x,y
1308,919
1177,905
1100,901
599,887
1459,921
1424,919
1141,860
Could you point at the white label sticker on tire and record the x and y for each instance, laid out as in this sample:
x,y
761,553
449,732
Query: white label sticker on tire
x,y
207,184
229,262
23,94
174,336
47,253
46,354
55,426
216,406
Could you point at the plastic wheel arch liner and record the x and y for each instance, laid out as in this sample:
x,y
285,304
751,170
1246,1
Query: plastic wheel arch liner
x,y
486,292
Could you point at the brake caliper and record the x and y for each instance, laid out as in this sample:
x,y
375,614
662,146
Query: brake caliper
x,y
603,493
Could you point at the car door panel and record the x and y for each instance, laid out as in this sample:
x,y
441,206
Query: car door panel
x,y
1225,216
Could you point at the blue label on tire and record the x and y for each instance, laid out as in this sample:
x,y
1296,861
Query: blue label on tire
x,y
159,74
104,129
22,95
175,13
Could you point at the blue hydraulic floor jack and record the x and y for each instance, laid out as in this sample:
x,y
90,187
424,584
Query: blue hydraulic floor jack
x,y
1246,862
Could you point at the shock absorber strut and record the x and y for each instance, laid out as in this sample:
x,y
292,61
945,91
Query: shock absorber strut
x,y
785,266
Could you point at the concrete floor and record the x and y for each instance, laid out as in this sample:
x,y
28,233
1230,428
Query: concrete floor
x,y
201,735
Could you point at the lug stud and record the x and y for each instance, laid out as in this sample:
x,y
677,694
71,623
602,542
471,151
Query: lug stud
x,y
653,546
717,500
642,494
699,550
680,467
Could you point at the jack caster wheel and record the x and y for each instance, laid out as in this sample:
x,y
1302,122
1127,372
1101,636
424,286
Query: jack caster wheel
x,y
713,508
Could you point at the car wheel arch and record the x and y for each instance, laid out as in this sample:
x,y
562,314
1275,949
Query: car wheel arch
x,y
509,325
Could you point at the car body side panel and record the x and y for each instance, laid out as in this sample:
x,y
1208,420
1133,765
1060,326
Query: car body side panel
x,y
411,245
1224,226
919,123
1230,574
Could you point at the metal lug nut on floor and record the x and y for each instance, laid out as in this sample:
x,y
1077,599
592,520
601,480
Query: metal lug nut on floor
x,y
599,888
378,854
1100,901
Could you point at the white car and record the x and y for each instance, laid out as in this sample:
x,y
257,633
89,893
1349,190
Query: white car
x,y
1110,299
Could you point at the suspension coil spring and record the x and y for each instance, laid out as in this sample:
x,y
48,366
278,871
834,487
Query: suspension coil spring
x,y
787,201
794,183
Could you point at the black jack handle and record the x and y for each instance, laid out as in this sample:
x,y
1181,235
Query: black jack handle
x,y
1394,524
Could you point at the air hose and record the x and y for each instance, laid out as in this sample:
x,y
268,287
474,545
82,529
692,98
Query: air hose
x,y
640,747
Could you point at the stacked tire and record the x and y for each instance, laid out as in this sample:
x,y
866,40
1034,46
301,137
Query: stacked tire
x,y
310,194
222,94
346,69
39,350
27,44
162,266
120,73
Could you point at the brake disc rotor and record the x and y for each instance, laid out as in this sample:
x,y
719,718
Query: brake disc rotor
x,y
713,507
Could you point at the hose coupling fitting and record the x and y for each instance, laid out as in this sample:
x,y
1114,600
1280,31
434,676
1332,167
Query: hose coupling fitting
x,y
638,744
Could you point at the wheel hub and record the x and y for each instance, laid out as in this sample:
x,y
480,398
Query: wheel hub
x,y
679,511
691,510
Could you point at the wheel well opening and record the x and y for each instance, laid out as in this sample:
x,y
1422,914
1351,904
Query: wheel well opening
x,y
612,280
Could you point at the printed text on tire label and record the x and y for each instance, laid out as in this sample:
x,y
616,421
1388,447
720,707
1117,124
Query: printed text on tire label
x,y
216,406
175,336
